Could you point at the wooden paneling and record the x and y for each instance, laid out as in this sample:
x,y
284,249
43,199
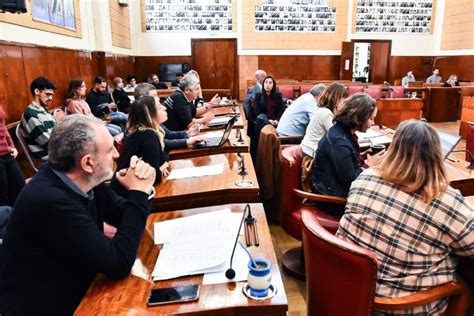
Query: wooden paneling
x,y
120,25
460,65
301,67
458,25
118,66
347,60
422,67
146,65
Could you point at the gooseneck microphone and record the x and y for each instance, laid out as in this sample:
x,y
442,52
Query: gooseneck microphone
x,y
471,156
230,273
390,86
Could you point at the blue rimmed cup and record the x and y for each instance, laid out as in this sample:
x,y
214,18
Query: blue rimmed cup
x,y
259,277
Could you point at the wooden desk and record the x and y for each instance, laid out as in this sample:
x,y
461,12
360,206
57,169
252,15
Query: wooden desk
x,y
232,145
210,190
460,177
467,115
443,104
390,112
225,110
164,93
129,296
239,123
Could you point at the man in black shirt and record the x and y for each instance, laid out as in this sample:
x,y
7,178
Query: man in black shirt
x,y
54,244
181,109
155,80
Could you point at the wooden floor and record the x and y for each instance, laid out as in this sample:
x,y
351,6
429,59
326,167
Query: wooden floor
x,y
295,289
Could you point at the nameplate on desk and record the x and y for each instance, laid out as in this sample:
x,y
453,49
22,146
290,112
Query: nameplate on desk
x,y
193,172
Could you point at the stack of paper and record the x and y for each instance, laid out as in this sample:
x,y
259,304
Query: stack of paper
x,y
364,138
198,244
184,173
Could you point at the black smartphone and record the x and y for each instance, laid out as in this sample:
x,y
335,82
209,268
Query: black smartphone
x,y
174,294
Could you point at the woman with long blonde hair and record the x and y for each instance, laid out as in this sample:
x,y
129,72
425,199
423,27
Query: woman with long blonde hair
x,y
405,212
145,138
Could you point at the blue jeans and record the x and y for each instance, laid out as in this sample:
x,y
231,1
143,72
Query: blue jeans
x,y
118,118
114,129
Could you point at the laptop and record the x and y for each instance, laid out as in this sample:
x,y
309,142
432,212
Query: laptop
x,y
448,142
218,141
220,121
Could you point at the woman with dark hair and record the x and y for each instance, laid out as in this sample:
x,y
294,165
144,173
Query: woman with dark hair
x,y
11,177
76,104
322,119
405,212
338,162
145,139
268,103
267,108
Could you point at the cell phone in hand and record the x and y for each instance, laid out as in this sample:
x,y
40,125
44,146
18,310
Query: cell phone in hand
x,y
175,294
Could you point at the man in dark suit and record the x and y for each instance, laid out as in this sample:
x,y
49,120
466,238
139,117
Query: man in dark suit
x,y
252,91
155,80
54,244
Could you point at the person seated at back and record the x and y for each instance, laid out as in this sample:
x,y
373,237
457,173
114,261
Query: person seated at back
x,y
76,104
61,234
408,78
182,113
252,91
322,120
296,117
173,139
36,122
175,82
131,83
144,139
155,80
119,95
338,162
11,177
452,81
102,105
405,212
435,77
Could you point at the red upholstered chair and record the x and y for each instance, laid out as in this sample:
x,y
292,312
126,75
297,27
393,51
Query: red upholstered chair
x,y
305,89
291,207
399,92
286,92
341,278
374,91
354,89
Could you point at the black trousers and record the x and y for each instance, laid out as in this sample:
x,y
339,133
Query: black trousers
x,y
11,180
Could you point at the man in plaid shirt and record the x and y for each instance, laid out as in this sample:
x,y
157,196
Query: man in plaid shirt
x,y
415,225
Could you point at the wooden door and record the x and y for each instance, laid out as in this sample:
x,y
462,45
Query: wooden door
x,y
347,58
379,56
216,62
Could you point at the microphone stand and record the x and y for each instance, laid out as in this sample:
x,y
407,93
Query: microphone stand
x,y
230,273
251,232
243,172
471,165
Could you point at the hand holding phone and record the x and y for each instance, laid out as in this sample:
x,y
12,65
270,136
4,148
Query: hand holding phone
x,y
176,294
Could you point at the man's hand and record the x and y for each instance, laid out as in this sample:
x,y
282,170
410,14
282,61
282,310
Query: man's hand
x,y
193,130
112,106
215,101
140,176
165,169
13,152
207,117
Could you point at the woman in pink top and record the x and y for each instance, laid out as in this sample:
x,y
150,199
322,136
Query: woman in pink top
x,y
76,103
11,177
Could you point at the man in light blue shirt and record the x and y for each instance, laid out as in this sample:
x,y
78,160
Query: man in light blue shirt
x,y
296,117
435,77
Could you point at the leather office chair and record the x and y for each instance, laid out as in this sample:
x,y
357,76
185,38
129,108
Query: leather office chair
x,y
292,205
21,138
341,278
354,89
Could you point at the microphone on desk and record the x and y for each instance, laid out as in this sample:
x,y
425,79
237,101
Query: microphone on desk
x,y
390,86
230,273
471,165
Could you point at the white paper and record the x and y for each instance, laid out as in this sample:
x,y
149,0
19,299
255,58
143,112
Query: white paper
x,y
192,172
368,134
381,140
214,134
220,120
239,264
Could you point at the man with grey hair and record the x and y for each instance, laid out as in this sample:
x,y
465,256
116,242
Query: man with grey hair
x,y
252,91
58,221
181,111
296,118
